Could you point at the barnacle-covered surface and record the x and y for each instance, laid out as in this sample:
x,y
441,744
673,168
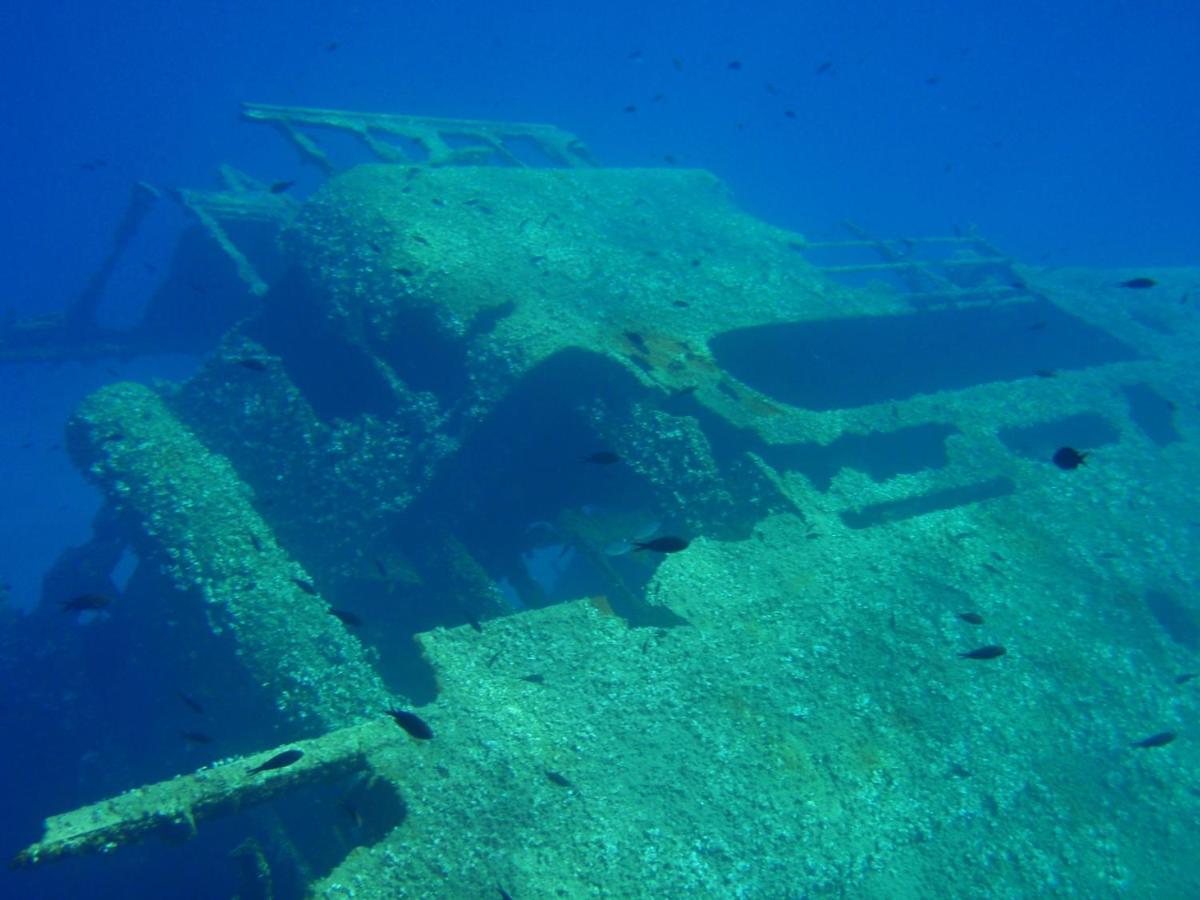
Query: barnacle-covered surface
x,y
502,268
172,810
779,710
197,522
422,300
811,733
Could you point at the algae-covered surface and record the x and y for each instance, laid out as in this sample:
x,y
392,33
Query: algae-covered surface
x,y
889,647
812,732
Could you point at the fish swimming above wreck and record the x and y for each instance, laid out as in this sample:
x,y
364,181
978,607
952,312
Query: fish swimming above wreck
x,y
278,761
85,603
1068,458
412,723
988,651
665,544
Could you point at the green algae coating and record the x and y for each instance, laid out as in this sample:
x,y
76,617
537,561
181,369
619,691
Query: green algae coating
x,y
562,258
197,520
173,809
813,732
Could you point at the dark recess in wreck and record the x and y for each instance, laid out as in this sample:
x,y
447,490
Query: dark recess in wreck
x,y
842,363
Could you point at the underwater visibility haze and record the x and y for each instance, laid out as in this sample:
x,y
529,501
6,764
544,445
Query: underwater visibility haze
x,y
645,450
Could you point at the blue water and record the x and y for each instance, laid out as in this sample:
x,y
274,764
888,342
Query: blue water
x,y
1065,132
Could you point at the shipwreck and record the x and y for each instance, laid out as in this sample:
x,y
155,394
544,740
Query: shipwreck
x,y
375,493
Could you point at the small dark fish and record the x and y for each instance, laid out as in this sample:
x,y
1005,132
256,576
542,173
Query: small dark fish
x,y
1038,325
1044,373
253,364
332,46
1138,284
379,566
352,811
637,340
255,542
347,618
670,159
278,187
305,585
278,761
933,79
734,64
504,895
1155,740
662,545
989,651
826,66
475,624
196,737
677,63
558,778
85,603
1186,677
602,458
1067,458
972,618
680,304
535,678
631,108
790,113
192,703
412,723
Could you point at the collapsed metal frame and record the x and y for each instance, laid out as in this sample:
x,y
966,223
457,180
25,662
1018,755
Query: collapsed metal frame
x,y
76,334
442,142
931,282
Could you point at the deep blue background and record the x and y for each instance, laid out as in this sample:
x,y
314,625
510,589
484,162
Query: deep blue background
x,y
1066,131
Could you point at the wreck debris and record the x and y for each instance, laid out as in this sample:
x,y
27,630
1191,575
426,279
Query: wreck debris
x,y
75,333
193,512
242,202
173,809
475,141
421,298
